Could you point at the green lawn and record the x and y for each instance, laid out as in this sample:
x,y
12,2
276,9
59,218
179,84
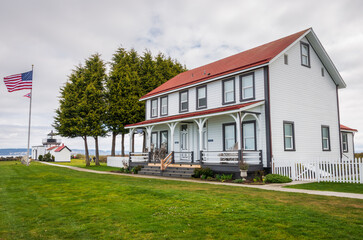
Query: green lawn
x,y
331,186
47,202
82,164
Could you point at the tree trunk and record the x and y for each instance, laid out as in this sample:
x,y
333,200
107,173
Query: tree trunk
x,y
86,150
114,134
97,153
133,143
143,141
123,144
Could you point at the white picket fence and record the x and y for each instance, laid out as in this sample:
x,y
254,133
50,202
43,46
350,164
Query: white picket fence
x,y
320,170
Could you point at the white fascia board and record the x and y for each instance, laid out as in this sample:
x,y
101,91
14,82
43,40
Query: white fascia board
x,y
201,116
204,82
348,131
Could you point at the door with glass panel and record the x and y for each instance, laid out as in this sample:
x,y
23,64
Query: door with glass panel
x,y
249,135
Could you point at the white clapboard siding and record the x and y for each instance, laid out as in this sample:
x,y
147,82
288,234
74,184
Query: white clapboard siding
x,y
320,170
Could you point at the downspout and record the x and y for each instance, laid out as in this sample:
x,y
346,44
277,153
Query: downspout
x,y
267,116
340,135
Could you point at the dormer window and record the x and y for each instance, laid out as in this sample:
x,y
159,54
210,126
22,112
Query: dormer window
x,y
201,97
247,88
154,108
183,104
164,106
305,54
228,91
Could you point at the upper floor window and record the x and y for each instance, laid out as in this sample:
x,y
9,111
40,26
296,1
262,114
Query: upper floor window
x,y
154,108
247,83
322,72
345,142
183,98
305,54
164,106
325,135
286,59
228,91
201,97
289,136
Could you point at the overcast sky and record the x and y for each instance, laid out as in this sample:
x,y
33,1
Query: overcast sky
x,y
56,36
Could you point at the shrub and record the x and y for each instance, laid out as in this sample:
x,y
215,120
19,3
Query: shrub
x,y
40,158
218,177
227,177
203,177
136,169
80,156
127,170
210,179
122,169
239,180
276,178
48,157
103,158
198,172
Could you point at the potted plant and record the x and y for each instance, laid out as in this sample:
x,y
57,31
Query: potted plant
x,y
243,168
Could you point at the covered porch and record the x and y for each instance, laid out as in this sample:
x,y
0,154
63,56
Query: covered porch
x,y
217,138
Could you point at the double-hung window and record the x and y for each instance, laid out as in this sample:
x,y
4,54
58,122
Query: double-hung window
x,y
164,106
228,91
154,108
247,83
305,54
325,134
249,135
345,142
229,136
289,136
183,98
201,97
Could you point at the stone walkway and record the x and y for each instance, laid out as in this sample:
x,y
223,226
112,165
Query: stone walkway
x,y
271,187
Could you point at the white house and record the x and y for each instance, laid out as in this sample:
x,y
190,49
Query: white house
x,y
61,153
46,144
279,100
347,137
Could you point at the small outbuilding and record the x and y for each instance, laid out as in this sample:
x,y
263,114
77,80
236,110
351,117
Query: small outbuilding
x,y
61,154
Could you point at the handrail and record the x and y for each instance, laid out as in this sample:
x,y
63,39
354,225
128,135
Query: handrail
x,y
164,163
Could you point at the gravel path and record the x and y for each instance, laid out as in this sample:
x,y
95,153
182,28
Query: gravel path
x,y
271,187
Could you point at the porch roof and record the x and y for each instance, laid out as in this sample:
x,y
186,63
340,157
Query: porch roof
x,y
233,108
345,128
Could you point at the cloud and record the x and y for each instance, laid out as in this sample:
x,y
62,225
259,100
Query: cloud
x,y
56,36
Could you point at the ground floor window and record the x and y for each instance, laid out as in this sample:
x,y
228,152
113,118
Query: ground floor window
x,y
325,134
289,136
229,136
249,135
164,140
345,142
154,139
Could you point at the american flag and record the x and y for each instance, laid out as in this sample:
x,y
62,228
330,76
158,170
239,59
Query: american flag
x,y
20,81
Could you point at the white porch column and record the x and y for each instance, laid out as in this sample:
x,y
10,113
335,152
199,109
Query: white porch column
x,y
172,129
237,119
148,131
200,122
131,132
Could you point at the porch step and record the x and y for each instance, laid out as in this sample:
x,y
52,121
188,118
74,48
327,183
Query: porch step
x,y
178,172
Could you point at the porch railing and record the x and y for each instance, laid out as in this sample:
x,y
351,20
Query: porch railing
x,y
250,157
183,157
138,156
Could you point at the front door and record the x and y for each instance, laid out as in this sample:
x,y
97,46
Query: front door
x,y
184,141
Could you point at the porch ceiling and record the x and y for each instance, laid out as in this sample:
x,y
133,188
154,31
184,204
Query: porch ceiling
x,y
199,114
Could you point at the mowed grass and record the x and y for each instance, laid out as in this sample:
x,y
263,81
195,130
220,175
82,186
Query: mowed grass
x,y
47,202
82,164
331,186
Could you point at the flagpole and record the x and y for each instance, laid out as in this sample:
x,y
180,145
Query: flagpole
x,y
30,113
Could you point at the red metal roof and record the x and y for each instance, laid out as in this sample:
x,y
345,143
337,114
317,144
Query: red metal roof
x,y
51,148
60,148
193,114
342,127
244,60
